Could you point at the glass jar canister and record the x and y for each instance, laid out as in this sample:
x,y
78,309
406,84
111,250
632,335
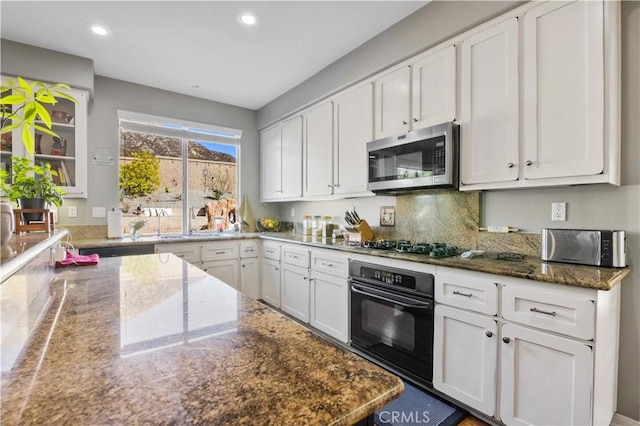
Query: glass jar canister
x,y
307,224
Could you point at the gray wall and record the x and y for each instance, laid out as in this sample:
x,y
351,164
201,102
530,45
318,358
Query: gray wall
x,y
591,206
111,95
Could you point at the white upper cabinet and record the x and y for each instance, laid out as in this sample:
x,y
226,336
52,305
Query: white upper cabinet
x,y
318,150
353,128
489,105
392,105
565,128
67,153
292,158
281,161
419,93
433,89
563,90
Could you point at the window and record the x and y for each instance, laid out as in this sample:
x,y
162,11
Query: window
x,y
177,176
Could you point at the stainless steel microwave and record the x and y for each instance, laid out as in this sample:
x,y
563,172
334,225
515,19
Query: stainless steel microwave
x,y
422,159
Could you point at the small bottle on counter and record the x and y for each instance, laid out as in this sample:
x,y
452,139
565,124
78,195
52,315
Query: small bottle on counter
x,y
307,225
316,226
327,226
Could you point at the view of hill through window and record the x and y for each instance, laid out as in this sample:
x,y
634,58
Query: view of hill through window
x,y
153,185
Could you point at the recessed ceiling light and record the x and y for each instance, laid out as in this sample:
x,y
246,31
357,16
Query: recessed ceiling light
x,y
99,29
194,85
247,19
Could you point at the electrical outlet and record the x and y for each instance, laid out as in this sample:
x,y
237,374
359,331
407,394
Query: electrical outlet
x,y
72,211
293,212
558,212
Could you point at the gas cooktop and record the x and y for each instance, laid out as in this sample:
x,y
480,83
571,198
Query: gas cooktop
x,y
406,246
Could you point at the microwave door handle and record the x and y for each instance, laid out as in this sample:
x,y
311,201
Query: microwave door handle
x,y
355,289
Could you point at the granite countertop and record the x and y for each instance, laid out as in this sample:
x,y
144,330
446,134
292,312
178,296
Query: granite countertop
x,y
21,249
528,267
127,241
151,339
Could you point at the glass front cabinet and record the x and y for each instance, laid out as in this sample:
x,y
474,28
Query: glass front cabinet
x,y
66,153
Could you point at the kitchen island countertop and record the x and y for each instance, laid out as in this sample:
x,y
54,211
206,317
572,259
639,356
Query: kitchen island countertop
x,y
151,339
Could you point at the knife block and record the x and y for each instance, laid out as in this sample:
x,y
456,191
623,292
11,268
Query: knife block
x,y
364,232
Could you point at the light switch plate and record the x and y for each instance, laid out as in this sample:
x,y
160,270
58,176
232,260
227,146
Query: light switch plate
x,y
98,212
72,211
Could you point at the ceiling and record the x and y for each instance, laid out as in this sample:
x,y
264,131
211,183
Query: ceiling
x,y
171,44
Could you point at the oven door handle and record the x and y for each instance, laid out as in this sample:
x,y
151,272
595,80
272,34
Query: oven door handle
x,y
389,298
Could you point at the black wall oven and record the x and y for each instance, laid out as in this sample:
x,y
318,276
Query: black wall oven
x,y
392,318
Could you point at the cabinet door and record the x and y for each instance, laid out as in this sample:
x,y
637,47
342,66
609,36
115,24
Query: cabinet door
x,y
433,89
250,277
489,105
330,305
318,154
465,357
295,292
353,128
292,158
187,251
546,380
564,90
224,270
271,163
270,282
391,103
67,153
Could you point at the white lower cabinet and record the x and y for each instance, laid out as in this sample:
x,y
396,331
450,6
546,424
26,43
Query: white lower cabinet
x,y
295,291
233,262
465,364
330,305
224,270
547,357
546,379
270,282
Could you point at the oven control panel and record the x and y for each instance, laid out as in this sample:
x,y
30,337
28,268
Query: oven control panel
x,y
412,281
388,277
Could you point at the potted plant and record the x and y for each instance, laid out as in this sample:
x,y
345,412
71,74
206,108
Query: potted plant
x,y
31,186
22,107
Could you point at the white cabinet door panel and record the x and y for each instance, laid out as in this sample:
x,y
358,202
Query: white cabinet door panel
x,y
271,163
392,103
295,292
465,357
433,87
330,305
318,150
353,128
224,270
489,110
270,282
564,90
250,277
292,158
546,380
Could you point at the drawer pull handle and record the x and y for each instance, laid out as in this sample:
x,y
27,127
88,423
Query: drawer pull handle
x,y
534,309
220,252
506,339
462,294
328,265
489,334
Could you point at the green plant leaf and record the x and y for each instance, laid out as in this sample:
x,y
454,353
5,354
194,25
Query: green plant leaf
x,y
28,140
13,100
45,130
61,94
43,114
10,127
25,86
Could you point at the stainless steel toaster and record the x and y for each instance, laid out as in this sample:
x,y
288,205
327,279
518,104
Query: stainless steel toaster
x,y
585,247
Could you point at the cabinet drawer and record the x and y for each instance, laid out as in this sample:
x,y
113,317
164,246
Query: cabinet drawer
x,y
330,264
186,251
548,311
222,251
248,249
295,256
270,251
467,290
